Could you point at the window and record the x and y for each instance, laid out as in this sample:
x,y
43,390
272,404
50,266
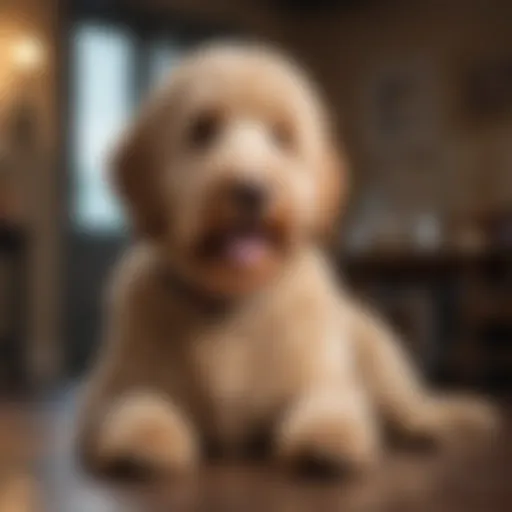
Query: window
x,y
102,102
164,55
103,96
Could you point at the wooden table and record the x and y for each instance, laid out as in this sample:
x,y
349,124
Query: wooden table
x,y
476,478
464,295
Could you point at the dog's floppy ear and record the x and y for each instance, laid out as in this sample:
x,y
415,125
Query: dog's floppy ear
x,y
332,195
134,176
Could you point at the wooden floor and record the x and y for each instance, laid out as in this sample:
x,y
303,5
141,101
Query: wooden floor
x,y
35,441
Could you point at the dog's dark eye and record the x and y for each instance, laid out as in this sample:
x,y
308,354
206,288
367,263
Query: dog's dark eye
x,y
204,129
283,135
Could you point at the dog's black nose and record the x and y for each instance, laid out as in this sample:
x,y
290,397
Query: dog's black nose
x,y
250,197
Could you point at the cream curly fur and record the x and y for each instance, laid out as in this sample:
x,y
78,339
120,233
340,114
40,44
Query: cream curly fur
x,y
294,353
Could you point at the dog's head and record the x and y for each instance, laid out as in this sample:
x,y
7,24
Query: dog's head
x,y
231,168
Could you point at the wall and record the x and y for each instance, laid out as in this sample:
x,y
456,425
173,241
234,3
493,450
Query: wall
x,y
38,20
444,40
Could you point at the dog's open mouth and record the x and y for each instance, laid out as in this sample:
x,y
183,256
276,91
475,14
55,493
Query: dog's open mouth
x,y
243,247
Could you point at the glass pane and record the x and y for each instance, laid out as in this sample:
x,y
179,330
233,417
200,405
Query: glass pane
x,y
103,60
164,55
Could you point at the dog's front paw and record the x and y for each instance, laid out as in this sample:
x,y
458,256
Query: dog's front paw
x,y
445,419
328,442
144,434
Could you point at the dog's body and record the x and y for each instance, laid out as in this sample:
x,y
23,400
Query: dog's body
x,y
295,357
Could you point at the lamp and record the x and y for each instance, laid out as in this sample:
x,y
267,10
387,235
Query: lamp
x,y
28,55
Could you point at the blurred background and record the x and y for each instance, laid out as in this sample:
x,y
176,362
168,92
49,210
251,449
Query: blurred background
x,y
421,91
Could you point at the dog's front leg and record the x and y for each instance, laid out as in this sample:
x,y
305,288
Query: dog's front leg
x,y
146,432
329,428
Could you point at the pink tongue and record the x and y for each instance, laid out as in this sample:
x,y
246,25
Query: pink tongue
x,y
246,251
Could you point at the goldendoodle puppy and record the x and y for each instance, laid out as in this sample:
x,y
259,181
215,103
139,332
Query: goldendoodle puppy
x,y
225,319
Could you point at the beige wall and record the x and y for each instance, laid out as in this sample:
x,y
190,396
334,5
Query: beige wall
x,y
36,19
346,51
